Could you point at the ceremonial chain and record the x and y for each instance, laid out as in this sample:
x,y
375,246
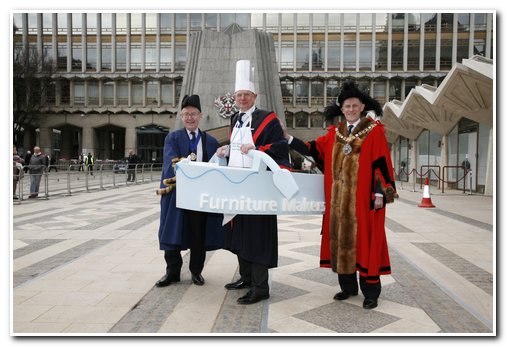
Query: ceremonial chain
x,y
347,149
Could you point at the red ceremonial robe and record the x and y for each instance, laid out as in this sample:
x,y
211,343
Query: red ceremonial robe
x,y
357,233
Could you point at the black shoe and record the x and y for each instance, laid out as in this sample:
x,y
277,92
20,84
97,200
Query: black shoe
x,y
251,298
197,279
166,280
239,284
369,303
343,295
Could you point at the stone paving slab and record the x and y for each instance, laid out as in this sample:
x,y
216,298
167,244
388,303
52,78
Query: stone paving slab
x,y
87,264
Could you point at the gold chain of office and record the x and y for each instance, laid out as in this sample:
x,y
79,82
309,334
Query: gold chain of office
x,y
347,149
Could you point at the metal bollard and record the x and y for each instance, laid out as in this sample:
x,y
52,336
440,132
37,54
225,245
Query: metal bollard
x,y
470,182
413,189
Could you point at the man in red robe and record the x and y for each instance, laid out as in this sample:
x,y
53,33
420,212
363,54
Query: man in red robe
x,y
359,181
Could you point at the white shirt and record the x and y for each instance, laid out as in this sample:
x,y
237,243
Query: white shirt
x,y
354,124
247,117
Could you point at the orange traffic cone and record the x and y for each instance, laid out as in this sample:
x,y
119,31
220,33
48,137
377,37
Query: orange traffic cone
x,y
426,200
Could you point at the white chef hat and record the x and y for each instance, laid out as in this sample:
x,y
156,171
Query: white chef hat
x,y
244,76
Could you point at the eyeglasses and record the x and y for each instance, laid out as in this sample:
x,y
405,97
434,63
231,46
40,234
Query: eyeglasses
x,y
190,115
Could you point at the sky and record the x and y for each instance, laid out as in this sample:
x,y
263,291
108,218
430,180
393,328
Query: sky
x,y
211,5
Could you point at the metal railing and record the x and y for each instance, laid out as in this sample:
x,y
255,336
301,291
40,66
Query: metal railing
x,y
68,180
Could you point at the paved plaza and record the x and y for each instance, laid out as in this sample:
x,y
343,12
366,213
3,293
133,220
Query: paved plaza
x,y
87,264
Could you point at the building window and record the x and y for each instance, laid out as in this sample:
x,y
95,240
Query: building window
x,y
349,53
365,55
106,56
333,53
91,57
76,57
271,22
108,93
332,89
181,21
211,21
93,93
122,93
287,22
137,93
136,54
151,23
379,91
107,23
302,52
395,89
51,93
64,92
152,93
316,120
181,56
136,23
302,92
166,23
318,55
195,21
167,93
151,57
317,93
301,119
77,23
166,56
287,91
91,23
79,95
287,61
121,57
62,23
289,119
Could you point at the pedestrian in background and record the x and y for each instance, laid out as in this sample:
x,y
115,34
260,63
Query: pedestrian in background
x,y
89,161
37,167
132,160
17,171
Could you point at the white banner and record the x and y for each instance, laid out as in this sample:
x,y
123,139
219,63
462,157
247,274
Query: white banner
x,y
209,187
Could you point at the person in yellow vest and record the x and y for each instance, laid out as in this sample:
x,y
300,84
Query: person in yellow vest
x,y
89,161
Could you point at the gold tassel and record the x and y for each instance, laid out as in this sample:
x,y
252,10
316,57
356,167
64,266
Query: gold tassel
x,y
169,182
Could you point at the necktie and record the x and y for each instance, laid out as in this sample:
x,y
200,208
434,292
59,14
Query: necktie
x,y
350,128
240,119
193,146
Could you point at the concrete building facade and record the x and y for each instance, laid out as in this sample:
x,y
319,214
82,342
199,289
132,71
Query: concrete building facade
x,y
119,77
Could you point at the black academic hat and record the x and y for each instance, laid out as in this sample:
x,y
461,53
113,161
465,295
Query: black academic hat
x,y
350,90
191,100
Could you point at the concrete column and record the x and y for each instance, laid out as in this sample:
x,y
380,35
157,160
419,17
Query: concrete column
x,y
489,187
45,139
444,154
413,160
88,145
130,140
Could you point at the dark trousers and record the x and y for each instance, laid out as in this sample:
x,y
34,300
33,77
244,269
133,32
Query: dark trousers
x,y
255,273
196,227
348,283
131,175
